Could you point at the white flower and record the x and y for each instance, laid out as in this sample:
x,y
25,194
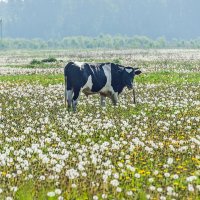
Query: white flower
x,y
191,178
1,190
169,189
114,182
84,174
188,127
118,189
190,188
14,189
148,196
95,197
120,164
116,175
175,176
72,173
51,194
9,198
163,198
152,188
159,189
169,161
198,187
129,193
130,168
156,172
19,172
42,178
74,185
137,175
30,176
151,180
167,174
58,191
104,196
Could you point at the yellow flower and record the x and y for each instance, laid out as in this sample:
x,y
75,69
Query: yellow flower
x,y
134,189
122,134
141,171
195,159
3,173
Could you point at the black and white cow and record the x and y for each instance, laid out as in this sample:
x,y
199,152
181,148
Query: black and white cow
x,y
108,79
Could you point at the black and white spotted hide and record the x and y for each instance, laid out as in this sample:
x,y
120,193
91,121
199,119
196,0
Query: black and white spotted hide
x,y
107,79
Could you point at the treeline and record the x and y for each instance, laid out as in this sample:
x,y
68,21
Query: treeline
x,y
102,42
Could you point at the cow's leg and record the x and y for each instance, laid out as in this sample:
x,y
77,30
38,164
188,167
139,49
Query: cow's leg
x,y
69,98
68,93
103,101
114,98
75,98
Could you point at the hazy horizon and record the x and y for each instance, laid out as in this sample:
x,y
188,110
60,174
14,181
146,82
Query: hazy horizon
x,y
48,19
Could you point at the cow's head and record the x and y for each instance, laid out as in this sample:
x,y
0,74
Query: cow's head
x,y
128,76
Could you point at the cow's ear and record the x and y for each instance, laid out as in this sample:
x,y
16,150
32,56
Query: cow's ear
x,y
137,72
135,68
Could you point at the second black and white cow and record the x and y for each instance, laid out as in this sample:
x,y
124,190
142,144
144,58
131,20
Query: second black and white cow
x,y
107,79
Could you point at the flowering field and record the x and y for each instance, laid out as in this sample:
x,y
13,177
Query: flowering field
x,y
150,150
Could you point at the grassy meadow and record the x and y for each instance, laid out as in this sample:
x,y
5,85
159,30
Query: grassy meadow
x,y
147,150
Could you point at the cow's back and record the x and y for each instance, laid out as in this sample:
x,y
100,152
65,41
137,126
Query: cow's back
x,y
92,78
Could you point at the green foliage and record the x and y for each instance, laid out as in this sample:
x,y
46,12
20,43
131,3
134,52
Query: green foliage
x,y
49,60
153,78
35,62
44,63
25,192
99,42
117,61
34,78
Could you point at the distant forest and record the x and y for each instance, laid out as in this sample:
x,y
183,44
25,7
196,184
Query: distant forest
x,y
57,19
99,42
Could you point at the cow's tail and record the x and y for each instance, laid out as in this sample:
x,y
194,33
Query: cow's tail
x,y
65,76
65,90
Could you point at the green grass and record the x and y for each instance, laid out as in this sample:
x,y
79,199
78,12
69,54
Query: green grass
x,y
39,65
40,79
150,78
169,77
25,192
